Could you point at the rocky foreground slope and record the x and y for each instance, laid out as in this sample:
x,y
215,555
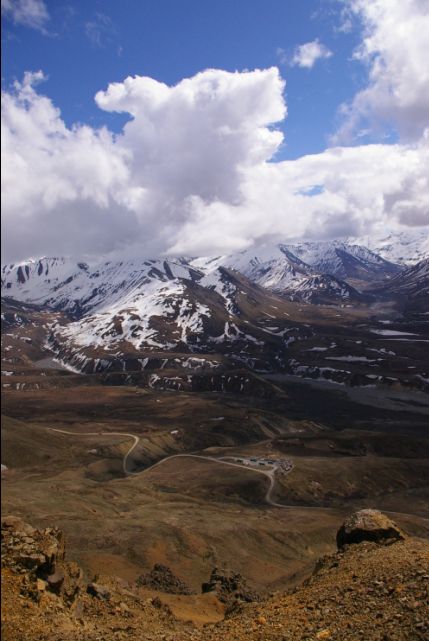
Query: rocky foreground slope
x,y
375,587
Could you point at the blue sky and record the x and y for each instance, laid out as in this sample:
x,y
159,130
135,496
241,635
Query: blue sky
x,y
88,43
158,126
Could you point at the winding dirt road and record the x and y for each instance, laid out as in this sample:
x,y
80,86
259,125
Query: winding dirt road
x,y
125,458
270,474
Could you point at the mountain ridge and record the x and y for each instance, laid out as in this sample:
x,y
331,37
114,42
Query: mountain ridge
x,y
282,268
262,309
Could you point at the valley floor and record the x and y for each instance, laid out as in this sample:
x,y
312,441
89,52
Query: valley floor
x,y
89,458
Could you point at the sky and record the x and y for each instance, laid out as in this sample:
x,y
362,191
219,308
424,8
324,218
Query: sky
x,y
198,127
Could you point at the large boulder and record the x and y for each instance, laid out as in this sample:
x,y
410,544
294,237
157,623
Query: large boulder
x,y
368,525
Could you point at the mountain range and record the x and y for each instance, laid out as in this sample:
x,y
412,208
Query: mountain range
x,y
244,310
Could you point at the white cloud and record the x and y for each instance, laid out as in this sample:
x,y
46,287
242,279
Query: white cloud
x,y
395,47
57,181
197,137
31,13
190,141
354,198
307,54
100,30
190,172
282,55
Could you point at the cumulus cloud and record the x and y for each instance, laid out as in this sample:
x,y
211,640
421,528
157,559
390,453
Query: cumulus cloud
x,y
185,143
55,178
197,138
307,54
394,47
31,13
353,198
192,172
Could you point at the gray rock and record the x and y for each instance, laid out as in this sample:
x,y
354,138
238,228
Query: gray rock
x,y
368,525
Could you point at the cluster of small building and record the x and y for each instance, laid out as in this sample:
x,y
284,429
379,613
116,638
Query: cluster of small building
x,y
282,465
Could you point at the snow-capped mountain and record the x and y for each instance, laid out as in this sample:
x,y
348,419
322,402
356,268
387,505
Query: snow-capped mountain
x,y
137,308
79,288
125,297
270,266
351,262
295,270
117,298
325,289
292,270
191,322
400,247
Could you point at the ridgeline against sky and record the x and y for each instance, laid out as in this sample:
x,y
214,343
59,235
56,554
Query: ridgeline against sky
x,y
214,125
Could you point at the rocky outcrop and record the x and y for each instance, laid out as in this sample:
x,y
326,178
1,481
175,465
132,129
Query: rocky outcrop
x,y
229,586
43,598
40,556
368,525
162,578
366,592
